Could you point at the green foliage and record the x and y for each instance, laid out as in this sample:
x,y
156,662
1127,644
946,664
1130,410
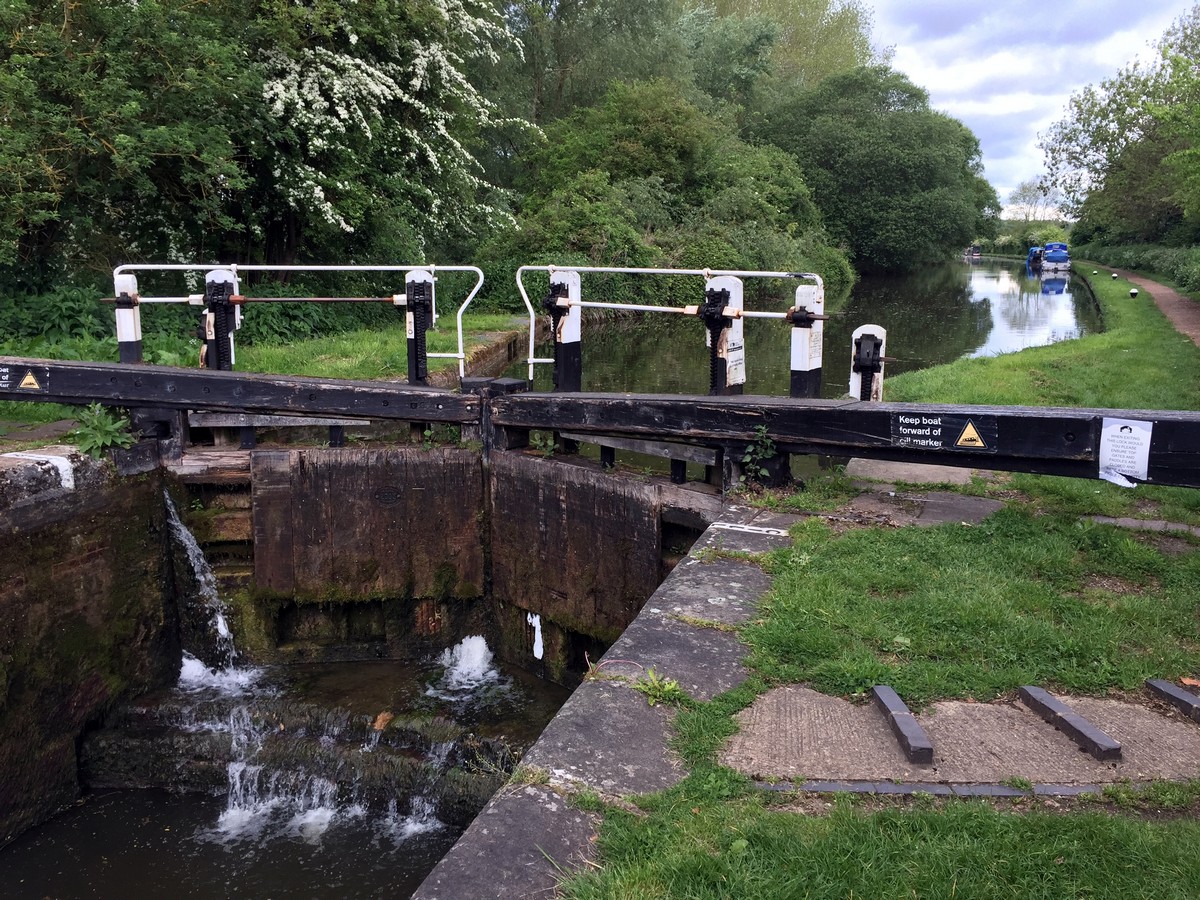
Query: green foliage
x,y
657,689
1178,265
898,183
648,178
757,454
277,131
1125,153
100,429
66,312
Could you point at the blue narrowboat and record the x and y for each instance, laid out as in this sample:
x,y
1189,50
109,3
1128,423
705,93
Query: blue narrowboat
x,y
1055,256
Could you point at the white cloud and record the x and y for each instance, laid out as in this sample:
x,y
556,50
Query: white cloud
x,y
1007,72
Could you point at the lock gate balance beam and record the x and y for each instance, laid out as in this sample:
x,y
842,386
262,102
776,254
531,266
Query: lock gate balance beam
x,y
1050,441
134,386
1153,446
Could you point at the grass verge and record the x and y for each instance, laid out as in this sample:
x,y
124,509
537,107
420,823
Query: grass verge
x,y
689,847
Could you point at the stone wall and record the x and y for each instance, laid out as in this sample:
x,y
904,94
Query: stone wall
x,y
86,617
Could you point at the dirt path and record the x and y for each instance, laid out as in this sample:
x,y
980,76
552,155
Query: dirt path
x,y
1183,312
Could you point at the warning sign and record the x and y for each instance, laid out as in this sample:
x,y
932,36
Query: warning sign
x,y
970,438
924,431
23,378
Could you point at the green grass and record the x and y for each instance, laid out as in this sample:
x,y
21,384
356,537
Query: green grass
x,y
959,611
368,354
689,848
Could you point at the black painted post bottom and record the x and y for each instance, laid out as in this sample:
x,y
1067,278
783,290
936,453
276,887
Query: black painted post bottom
x,y
248,439
337,435
608,457
678,471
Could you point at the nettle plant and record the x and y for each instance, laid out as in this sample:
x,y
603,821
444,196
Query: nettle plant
x,y
100,429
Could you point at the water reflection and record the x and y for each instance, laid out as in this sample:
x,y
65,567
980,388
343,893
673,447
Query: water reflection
x,y
935,316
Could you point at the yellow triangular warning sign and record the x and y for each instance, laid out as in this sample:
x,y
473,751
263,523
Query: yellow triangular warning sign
x,y
970,437
29,383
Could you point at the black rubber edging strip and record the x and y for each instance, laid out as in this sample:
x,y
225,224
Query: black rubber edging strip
x,y
1096,742
912,737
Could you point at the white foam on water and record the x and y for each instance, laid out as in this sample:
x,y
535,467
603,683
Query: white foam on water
x,y
195,677
310,825
421,820
468,664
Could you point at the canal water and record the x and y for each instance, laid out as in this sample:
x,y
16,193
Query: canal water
x,y
932,317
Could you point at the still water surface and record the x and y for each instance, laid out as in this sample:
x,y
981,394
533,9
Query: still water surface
x,y
932,317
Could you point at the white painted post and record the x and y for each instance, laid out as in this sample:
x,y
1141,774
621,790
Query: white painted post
x,y
129,318
868,346
568,332
728,362
808,341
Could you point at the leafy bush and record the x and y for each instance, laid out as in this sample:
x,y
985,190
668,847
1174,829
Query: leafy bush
x,y
66,312
101,429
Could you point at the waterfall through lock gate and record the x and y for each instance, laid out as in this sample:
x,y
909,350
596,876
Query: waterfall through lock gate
x,y
317,780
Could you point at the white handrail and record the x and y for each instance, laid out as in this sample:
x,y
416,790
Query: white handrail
x,y
706,274
234,268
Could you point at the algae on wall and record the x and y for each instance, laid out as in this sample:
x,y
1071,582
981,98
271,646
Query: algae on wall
x,y
87,619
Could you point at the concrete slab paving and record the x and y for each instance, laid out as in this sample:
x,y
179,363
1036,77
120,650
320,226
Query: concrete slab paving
x,y
716,590
608,738
745,530
909,473
524,838
991,742
795,732
924,509
1154,745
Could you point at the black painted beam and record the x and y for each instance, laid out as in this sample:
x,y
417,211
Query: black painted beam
x,y
1055,441
164,386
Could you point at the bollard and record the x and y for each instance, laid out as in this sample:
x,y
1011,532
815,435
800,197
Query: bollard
x,y
567,324
219,321
721,312
1133,292
808,336
129,318
418,313
866,362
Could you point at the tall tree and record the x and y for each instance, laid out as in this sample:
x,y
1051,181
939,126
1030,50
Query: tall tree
x,y
817,38
256,131
1123,153
898,183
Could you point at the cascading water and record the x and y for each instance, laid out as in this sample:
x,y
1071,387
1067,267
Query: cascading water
x,y
338,779
222,652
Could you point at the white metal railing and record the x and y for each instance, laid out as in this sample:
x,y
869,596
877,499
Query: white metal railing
x,y
234,269
690,310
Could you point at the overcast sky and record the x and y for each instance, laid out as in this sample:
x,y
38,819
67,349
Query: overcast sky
x,y
1006,70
